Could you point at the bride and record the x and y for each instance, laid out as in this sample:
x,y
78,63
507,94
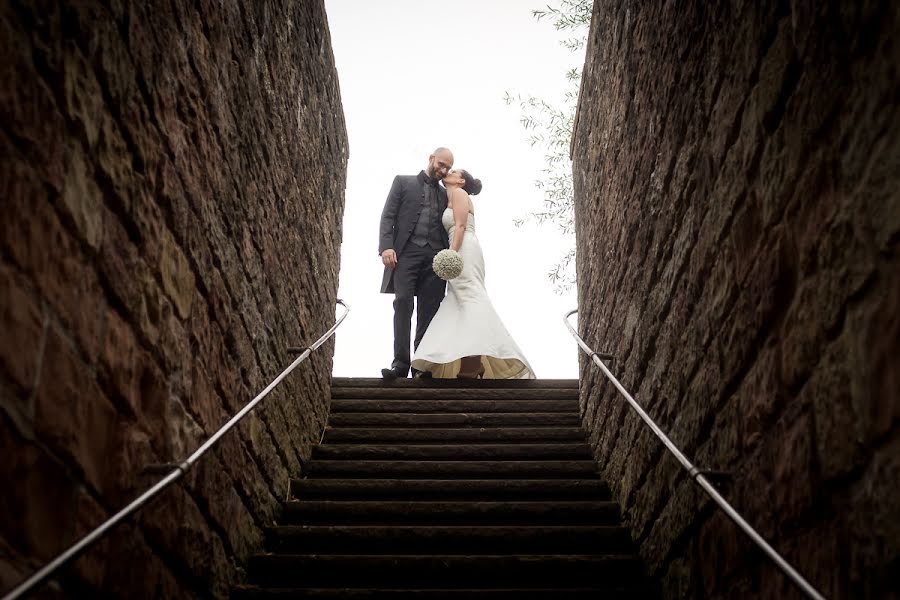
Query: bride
x,y
466,338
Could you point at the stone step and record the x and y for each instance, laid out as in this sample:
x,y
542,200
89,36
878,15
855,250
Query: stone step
x,y
486,539
454,406
496,477
443,489
451,469
444,435
454,420
410,571
578,450
377,382
455,393
449,512
629,592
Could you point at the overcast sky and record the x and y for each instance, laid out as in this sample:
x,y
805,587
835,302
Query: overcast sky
x,y
415,75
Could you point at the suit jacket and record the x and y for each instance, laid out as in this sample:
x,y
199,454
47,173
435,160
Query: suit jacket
x,y
400,215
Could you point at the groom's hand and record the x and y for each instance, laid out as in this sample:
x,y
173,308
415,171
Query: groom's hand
x,y
389,258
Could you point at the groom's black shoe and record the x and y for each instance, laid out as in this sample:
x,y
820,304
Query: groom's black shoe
x,y
392,374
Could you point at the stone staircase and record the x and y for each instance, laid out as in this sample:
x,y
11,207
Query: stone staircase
x,y
449,490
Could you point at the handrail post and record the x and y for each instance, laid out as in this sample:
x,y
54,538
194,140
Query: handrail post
x,y
697,475
39,577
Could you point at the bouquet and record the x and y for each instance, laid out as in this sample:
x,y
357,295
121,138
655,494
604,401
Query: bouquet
x,y
448,264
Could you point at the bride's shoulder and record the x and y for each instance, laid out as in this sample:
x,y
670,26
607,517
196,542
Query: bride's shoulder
x,y
457,195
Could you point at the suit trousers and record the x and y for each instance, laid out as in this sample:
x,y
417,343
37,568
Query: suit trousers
x,y
414,276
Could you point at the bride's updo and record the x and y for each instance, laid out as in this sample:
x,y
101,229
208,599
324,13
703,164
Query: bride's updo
x,y
473,186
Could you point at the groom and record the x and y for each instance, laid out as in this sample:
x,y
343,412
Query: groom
x,y
410,235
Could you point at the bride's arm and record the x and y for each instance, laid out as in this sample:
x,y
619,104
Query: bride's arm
x,y
460,205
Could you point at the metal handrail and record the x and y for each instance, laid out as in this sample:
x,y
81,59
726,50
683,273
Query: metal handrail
x,y
178,471
695,473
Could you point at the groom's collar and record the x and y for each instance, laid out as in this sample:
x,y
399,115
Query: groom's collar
x,y
423,178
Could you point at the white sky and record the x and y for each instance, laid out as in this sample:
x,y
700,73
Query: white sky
x,y
418,74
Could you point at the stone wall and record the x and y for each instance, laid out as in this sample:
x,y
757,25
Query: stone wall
x,y
172,193
737,182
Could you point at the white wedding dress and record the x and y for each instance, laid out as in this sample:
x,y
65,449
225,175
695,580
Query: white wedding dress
x,y
466,324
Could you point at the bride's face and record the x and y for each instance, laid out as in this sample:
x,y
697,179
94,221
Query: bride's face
x,y
454,178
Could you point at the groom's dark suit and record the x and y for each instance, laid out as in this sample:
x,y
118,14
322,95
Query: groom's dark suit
x,y
411,226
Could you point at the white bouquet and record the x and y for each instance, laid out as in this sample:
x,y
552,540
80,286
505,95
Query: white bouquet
x,y
448,264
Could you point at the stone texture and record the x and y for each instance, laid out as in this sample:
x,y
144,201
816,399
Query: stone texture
x,y
72,416
172,187
737,208
21,320
38,508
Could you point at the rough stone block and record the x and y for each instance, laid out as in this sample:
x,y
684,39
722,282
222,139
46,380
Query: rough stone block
x,y
214,490
679,510
71,413
175,349
90,568
177,277
127,475
121,266
876,376
82,200
182,433
27,102
38,508
802,341
52,262
120,367
722,549
148,576
188,537
816,553
874,525
839,432
761,396
203,400
794,482
14,567
724,443
21,322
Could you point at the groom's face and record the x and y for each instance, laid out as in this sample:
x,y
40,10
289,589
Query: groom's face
x,y
439,165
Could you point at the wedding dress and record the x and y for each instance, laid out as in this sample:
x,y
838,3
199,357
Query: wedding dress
x,y
466,323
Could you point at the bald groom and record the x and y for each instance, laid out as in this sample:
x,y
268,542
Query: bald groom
x,y
410,235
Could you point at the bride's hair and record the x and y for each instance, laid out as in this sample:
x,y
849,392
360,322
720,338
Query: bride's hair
x,y
473,186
